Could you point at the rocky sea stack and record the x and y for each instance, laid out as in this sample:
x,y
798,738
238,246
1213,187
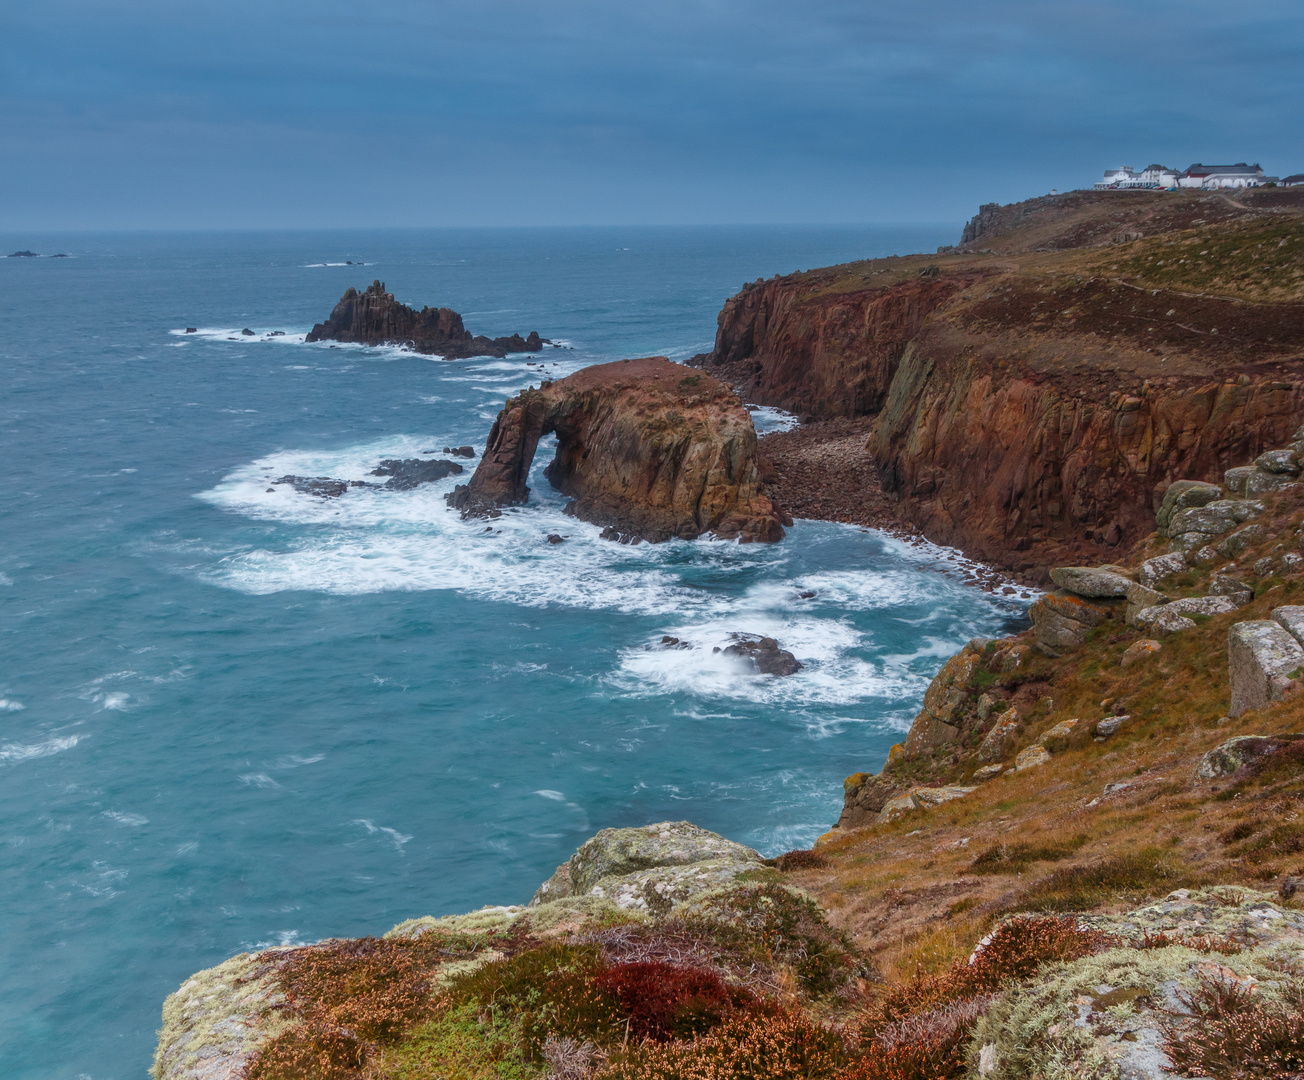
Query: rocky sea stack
x,y
650,449
374,317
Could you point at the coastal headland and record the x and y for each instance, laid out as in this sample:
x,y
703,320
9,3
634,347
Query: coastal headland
x,y
1029,394
1085,859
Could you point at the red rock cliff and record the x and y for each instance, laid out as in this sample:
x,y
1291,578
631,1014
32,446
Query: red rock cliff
x,y
650,448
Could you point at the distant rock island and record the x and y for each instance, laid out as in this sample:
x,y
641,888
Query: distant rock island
x,y
374,317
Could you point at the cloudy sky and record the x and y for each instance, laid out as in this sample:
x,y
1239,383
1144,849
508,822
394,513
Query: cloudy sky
x,y
263,113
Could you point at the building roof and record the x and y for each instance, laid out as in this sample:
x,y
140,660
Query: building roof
x,y
1294,178
1239,169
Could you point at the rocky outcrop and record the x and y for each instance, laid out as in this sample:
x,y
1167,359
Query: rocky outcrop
x,y
646,447
374,317
763,654
648,869
1263,660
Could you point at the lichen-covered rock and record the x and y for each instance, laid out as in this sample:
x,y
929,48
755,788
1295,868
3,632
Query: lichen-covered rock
x,y
1172,617
945,694
1234,754
1056,740
923,798
617,854
1285,461
1061,620
1109,727
1262,660
220,1018
987,772
1239,592
1030,757
1232,546
1182,494
1090,582
1140,597
998,742
863,798
1161,566
1291,619
1139,650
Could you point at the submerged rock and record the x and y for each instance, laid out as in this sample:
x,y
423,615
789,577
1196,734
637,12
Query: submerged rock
x,y
408,473
324,486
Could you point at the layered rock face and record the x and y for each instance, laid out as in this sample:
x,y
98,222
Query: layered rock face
x,y
374,317
649,448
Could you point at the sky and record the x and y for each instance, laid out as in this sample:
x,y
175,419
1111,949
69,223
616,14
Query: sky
x,y
128,114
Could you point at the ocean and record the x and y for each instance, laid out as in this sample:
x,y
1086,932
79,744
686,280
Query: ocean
x,y
233,716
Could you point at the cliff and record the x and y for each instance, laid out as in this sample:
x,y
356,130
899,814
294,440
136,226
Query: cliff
x,y
374,317
648,448
1036,387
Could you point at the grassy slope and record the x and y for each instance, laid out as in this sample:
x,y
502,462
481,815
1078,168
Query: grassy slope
x,y
910,891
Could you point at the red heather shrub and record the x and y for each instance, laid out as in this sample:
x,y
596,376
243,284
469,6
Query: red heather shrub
x,y
1013,952
757,1045
1232,1035
927,1046
668,1001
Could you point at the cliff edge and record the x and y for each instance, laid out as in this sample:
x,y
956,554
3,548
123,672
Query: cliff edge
x,y
1035,389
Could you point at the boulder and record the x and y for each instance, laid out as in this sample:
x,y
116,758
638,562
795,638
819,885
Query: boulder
x,y
1237,591
1234,754
1190,542
998,742
863,798
986,703
1030,757
987,772
1171,617
922,798
1161,566
1092,583
1109,726
649,868
1140,597
1183,494
1139,650
1215,518
1062,620
1262,660
1233,546
1286,462
1056,740
1291,619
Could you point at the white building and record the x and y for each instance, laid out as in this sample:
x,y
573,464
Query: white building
x,y
1213,177
1151,178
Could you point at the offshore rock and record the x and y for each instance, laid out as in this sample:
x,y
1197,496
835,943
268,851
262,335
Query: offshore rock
x,y
374,317
764,655
648,448
1262,660
408,473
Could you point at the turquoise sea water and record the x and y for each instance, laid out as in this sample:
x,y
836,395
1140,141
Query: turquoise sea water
x,y
230,717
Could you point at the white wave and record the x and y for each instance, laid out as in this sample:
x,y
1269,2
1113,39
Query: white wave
x,y
395,837
257,780
5,579
547,793
766,418
236,333
18,752
9,705
134,820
